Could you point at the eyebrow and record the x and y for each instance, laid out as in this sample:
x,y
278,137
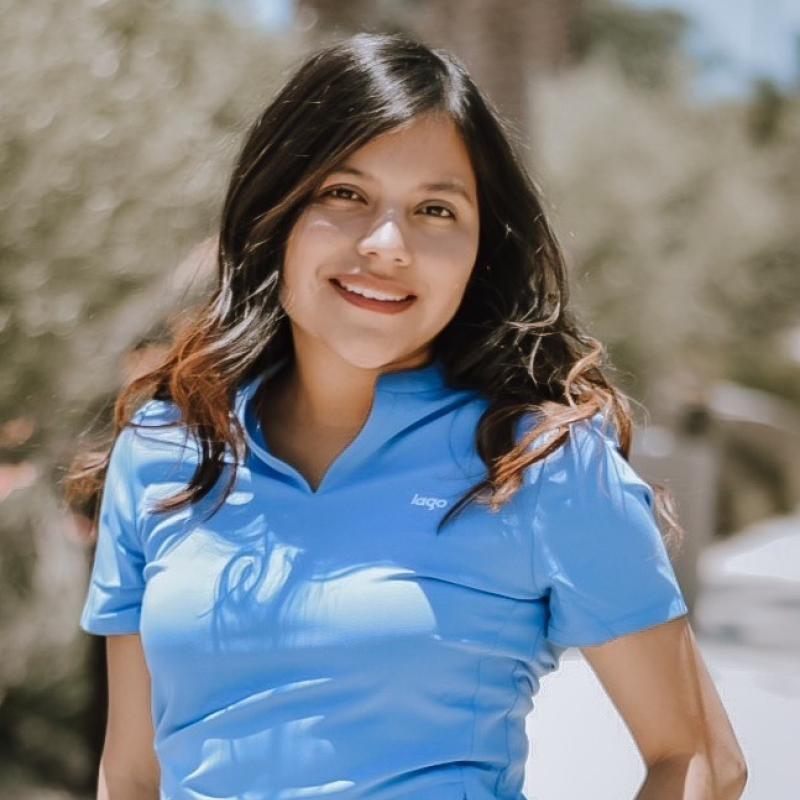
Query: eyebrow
x,y
451,185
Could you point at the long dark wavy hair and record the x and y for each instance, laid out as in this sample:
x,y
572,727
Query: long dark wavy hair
x,y
513,337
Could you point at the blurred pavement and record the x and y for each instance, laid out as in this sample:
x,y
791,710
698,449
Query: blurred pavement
x,y
748,627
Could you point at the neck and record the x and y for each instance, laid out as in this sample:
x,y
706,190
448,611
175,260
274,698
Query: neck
x,y
326,392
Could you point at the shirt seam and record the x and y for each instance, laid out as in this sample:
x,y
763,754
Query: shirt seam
x,y
517,698
135,500
531,507
476,694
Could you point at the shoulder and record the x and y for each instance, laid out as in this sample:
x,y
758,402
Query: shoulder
x,y
155,422
157,435
586,438
588,462
155,412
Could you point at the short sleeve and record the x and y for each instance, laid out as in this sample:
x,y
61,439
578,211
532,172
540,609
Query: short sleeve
x,y
113,600
597,549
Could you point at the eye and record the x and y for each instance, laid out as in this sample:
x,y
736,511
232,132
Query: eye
x,y
441,208
330,192
353,195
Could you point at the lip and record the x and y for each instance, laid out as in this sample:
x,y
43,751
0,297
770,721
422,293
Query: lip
x,y
382,306
363,281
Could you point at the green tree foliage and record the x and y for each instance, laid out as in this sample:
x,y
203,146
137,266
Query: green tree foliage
x,y
120,120
680,226
766,111
644,44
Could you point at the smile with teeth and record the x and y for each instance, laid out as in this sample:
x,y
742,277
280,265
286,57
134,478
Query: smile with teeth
x,y
371,293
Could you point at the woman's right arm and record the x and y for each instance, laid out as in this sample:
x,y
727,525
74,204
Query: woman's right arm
x,y
129,769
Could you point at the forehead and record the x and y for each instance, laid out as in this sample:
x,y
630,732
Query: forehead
x,y
429,147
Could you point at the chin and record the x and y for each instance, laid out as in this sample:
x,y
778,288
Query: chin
x,y
371,363
373,359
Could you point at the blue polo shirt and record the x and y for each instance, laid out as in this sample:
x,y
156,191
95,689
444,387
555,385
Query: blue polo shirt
x,y
310,644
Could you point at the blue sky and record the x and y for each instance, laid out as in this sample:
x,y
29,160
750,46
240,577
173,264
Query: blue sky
x,y
737,40
743,39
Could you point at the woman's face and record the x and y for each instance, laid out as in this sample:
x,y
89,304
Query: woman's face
x,y
398,217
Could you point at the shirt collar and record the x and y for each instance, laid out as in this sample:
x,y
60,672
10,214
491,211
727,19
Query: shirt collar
x,y
393,411
426,378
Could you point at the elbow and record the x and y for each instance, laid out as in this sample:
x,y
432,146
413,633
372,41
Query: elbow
x,y
126,784
732,780
730,772
728,778
726,765
698,775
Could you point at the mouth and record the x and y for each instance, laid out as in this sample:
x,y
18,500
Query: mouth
x,y
371,303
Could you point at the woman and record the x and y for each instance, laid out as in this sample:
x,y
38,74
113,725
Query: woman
x,y
426,497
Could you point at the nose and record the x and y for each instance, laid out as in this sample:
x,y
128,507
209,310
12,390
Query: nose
x,y
385,239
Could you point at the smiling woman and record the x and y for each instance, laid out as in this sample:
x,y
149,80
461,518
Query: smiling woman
x,y
427,495
376,242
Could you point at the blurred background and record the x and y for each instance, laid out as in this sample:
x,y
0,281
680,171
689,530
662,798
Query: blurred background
x,y
664,136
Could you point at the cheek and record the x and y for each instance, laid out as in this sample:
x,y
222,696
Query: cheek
x,y
308,249
450,264
449,260
444,293
320,235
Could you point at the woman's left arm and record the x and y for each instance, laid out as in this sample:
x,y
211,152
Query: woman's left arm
x,y
660,685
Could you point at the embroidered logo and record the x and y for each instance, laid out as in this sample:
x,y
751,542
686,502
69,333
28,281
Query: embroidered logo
x,y
428,502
